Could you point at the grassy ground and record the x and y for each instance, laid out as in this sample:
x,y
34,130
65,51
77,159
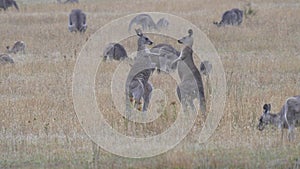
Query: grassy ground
x,y
39,127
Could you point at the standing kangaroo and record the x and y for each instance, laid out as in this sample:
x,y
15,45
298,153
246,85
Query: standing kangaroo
x,y
288,117
137,84
189,74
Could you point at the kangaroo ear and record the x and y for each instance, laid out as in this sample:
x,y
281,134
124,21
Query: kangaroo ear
x,y
265,107
190,31
139,32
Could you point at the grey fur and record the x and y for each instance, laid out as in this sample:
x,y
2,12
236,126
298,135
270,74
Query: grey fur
x,y
114,51
288,117
147,22
137,84
19,46
231,17
5,58
144,20
162,23
4,4
205,67
77,21
163,56
68,1
191,85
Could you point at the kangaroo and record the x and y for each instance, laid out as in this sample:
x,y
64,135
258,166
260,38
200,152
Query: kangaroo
x,y
19,46
231,17
77,21
188,74
4,4
137,84
288,117
162,23
68,1
147,22
205,68
144,20
114,51
5,58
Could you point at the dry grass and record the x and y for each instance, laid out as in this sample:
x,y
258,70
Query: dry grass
x,y
39,127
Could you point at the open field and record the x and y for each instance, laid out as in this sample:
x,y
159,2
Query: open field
x,y
39,127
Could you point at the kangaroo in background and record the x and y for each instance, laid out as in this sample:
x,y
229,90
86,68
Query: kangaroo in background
x,y
231,17
68,1
147,22
5,59
77,21
114,51
4,4
19,46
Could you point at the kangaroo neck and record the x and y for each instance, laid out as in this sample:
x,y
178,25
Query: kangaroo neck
x,y
277,119
141,47
187,54
142,50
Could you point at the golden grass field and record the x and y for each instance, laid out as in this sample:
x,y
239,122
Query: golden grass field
x,y
39,126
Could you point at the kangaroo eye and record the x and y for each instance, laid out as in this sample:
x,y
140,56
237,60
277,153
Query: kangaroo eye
x,y
146,38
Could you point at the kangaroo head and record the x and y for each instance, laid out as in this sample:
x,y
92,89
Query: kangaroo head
x,y
217,23
187,40
265,117
143,40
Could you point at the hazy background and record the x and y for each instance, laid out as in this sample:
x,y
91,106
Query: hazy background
x,y
39,127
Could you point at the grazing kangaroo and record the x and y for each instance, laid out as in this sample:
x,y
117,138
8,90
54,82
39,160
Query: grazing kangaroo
x,y
162,23
5,58
114,51
4,4
163,56
231,17
189,74
137,84
147,22
144,20
288,117
77,21
19,46
68,1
